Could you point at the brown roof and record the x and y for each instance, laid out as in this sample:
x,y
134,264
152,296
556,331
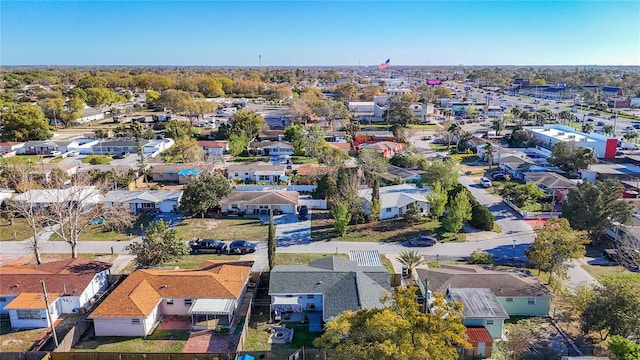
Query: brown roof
x,y
479,334
277,197
501,283
316,170
213,144
31,301
141,291
340,145
70,276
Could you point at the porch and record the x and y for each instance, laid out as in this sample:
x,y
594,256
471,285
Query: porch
x,y
212,313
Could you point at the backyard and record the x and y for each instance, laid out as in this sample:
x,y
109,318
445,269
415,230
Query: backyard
x,y
392,230
224,229
18,341
161,341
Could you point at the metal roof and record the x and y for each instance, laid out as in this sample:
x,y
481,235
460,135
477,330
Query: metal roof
x,y
212,306
366,257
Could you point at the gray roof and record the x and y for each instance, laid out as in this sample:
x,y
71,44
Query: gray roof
x,y
550,180
152,196
122,142
344,284
478,303
502,283
256,166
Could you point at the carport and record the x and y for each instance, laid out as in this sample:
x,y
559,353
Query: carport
x,y
211,313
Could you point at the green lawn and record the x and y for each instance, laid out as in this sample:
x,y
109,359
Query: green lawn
x,y
97,233
258,335
22,159
300,259
161,341
20,227
303,160
250,158
12,340
97,159
598,271
195,261
55,160
223,229
385,127
457,157
424,126
393,230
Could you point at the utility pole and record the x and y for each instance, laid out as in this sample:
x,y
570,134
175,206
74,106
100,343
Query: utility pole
x,y
46,304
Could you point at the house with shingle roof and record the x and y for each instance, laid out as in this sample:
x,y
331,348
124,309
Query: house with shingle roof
x,y
72,285
210,296
259,202
177,173
214,148
396,200
385,148
519,294
553,184
271,148
325,288
481,308
165,201
257,172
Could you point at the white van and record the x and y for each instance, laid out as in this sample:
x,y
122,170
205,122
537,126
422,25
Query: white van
x,y
485,182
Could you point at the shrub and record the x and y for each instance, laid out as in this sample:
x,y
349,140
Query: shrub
x,y
481,218
480,257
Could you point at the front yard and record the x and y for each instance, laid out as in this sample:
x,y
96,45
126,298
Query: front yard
x,y
20,229
392,230
97,233
224,229
161,341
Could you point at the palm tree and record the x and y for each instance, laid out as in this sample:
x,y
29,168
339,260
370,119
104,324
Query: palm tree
x,y
453,129
587,128
488,154
411,259
608,130
629,136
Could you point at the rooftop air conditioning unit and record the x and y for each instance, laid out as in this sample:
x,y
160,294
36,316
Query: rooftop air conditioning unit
x,y
561,133
571,136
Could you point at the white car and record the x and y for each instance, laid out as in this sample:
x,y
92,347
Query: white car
x,y
485,182
55,153
73,153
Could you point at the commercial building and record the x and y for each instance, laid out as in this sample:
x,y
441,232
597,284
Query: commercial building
x,y
549,135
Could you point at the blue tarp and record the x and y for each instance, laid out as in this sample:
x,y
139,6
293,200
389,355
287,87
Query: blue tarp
x,y
188,172
245,357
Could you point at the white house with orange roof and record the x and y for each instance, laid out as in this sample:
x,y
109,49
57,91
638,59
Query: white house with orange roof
x,y
210,296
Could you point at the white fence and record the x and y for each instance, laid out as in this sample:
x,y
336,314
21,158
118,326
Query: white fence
x,y
527,215
313,203
306,189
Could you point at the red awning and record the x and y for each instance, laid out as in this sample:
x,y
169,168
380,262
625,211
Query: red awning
x,y
478,335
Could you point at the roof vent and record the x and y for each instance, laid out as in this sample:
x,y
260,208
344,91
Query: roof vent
x,y
163,287
318,283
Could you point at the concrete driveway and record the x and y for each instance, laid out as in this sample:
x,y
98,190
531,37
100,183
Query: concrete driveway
x,y
292,231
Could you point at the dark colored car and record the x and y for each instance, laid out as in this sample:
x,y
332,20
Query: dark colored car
x,y
207,246
497,176
303,212
423,240
242,247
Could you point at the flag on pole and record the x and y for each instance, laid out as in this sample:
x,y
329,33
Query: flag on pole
x,y
385,65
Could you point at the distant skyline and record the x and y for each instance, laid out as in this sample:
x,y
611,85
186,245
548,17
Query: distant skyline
x,y
319,33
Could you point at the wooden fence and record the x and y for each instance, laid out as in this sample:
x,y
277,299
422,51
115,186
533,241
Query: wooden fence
x,y
73,336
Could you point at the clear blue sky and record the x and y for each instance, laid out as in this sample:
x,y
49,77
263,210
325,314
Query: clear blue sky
x,y
297,33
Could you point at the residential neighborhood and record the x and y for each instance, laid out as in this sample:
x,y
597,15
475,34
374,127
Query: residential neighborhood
x,y
263,225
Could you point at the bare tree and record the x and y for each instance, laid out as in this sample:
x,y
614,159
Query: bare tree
x,y
118,218
628,250
32,215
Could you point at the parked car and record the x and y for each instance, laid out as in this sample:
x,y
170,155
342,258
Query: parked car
x,y
233,212
423,240
207,246
55,153
600,123
73,153
242,247
303,212
485,182
497,176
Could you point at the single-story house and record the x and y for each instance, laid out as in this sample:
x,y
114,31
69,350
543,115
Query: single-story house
x,y
10,147
210,296
165,201
271,135
553,184
118,146
481,308
257,172
519,294
83,195
155,147
385,148
259,202
324,289
38,147
176,173
90,114
515,166
406,175
214,148
268,148
71,285
343,146
396,200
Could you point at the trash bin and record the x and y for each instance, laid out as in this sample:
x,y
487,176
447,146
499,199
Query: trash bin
x,y
405,271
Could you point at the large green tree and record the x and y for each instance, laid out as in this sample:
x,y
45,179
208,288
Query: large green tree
x,y
444,172
24,122
203,194
522,194
295,134
437,200
614,308
594,207
101,97
399,110
342,217
247,123
569,157
160,244
372,164
398,331
555,244
459,212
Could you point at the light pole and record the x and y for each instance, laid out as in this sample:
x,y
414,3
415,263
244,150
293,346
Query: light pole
x,y
513,253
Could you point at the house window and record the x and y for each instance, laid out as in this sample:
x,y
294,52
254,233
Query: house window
x,y
531,301
135,321
236,174
188,302
509,299
169,301
489,322
29,314
263,177
3,299
387,209
311,296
